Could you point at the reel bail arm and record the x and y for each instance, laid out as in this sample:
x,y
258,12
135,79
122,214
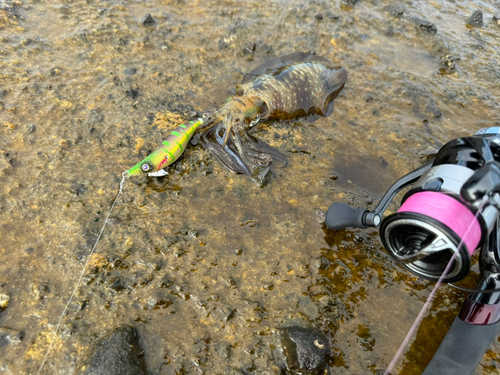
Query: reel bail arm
x,y
341,215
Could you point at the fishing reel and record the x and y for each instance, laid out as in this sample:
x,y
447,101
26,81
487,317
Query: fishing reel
x,y
448,212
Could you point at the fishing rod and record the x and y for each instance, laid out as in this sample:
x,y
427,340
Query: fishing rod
x,y
450,210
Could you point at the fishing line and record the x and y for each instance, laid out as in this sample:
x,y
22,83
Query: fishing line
x,y
420,316
124,176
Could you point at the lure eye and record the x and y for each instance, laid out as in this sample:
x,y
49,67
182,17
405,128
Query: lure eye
x,y
145,167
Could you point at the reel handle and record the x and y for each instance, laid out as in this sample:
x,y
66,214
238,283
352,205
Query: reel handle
x,y
341,215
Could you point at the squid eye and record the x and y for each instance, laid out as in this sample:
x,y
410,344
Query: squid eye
x,y
145,167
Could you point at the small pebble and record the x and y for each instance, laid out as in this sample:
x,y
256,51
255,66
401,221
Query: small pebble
x,y
4,301
269,286
250,47
148,20
476,19
496,18
130,71
10,336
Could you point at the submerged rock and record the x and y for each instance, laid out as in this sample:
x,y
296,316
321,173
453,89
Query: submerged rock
x,y
396,9
10,336
307,351
424,25
350,2
119,353
496,18
262,176
476,19
148,20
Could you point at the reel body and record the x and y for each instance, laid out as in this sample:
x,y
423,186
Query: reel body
x,y
438,217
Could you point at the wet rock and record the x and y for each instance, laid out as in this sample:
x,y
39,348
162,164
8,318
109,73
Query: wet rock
x,y
77,189
268,286
132,94
117,284
4,301
320,215
223,350
433,111
29,251
95,117
67,330
148,21
396,9
476,19
449,61
10,336
350,3
262,176
496,18
223,313
424,25
332,16
249,47
307,351
130,71
40,290
323,263
119,353
223,44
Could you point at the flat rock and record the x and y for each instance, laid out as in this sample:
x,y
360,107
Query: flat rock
x,y
119,353
476,19
307,350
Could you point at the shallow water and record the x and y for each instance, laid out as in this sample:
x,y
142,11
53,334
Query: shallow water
x,y
206,265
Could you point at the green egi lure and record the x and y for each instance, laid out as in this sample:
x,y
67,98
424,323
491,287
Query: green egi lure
x,y
171,149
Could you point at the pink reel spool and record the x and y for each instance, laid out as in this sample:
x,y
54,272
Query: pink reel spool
x,y
448,211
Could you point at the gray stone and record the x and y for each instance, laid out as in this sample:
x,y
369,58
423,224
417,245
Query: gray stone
x,y
10,336
496,18
148,20
119,353
424,25
476,19
307,351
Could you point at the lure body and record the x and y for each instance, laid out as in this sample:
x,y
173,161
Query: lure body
x,y
293,86
171,149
